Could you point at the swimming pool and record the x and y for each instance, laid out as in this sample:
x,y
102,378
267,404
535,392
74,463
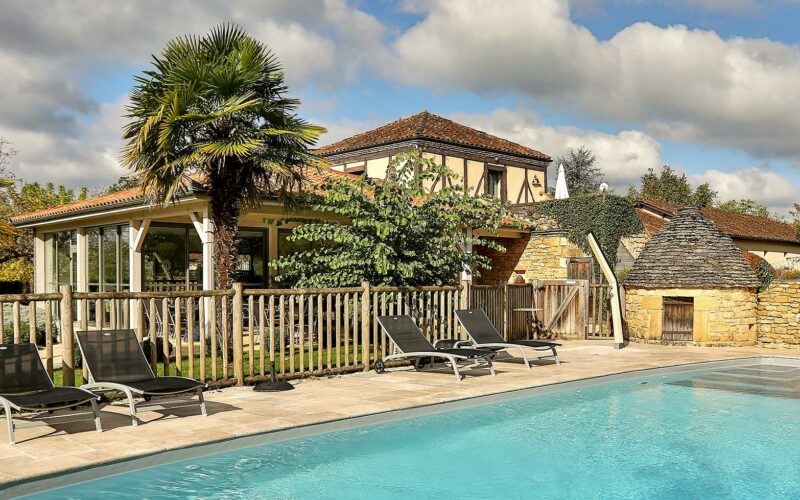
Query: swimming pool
x,y
727,432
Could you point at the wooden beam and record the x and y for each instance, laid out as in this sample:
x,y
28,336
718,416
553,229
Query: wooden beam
x,y
198,226
137,245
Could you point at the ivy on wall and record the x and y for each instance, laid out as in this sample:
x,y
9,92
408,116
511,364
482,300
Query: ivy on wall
x,y
610,219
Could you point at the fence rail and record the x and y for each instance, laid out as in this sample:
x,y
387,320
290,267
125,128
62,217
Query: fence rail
x,y
236,336
232,336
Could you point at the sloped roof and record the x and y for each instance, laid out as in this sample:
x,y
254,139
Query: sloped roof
x,y
655,214
134,196
426,125
691,252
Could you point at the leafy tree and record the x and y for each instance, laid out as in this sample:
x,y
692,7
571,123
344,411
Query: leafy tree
x,y
668,186
392,232
123,183
215,106
581,174
18,197
746,206
794,213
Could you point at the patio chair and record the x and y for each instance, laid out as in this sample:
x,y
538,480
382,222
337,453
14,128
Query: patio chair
x,y
413,344
115,362
26,386
484,335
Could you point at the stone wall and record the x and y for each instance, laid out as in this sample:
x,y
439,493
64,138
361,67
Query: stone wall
x,y
543,255
779,315
721,316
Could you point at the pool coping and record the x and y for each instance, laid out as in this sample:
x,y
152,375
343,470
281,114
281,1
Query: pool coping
x,y
82,474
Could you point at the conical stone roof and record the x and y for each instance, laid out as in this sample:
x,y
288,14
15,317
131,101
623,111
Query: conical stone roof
x,y
691,252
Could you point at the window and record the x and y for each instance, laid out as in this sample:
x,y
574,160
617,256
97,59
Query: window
x,y
494,182
173,258
61,260
250,266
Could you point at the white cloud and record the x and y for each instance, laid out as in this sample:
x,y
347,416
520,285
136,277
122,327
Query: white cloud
x,y
623,157
48,48
687,84
767,187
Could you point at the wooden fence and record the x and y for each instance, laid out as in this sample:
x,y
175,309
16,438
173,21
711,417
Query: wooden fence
x,y
561,309
232,336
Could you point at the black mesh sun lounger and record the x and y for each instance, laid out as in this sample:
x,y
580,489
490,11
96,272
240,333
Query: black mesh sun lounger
x,y
26,386
116,362
484,335
413,344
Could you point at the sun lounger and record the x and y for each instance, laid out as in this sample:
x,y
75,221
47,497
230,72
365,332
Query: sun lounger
x,y
116,362
413,344
484,335
26,386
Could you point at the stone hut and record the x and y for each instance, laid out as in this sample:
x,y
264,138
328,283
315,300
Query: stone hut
x,y
691,284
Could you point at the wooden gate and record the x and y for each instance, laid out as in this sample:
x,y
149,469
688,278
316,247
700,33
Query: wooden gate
x,y
564,311
678,320
571,309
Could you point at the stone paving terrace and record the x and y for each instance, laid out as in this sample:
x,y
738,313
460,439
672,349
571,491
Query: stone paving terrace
x,y
237,412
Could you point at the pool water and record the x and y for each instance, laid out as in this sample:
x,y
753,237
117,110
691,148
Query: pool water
x,y
731,432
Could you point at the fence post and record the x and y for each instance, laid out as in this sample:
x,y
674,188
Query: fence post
x,y
238,333
67,336
463,303
365,321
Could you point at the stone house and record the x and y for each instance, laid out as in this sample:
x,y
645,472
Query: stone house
x,y
691,284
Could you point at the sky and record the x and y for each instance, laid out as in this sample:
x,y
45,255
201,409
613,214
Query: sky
x,y
710,87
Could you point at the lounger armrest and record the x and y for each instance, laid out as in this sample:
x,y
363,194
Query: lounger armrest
x,y
451,343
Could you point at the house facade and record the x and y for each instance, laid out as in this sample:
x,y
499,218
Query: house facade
x,y
120,242
486,164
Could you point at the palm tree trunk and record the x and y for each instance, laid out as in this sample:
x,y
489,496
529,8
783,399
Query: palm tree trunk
x,y
226,220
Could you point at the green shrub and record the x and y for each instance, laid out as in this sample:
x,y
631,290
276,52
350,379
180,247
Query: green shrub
x,y
8,325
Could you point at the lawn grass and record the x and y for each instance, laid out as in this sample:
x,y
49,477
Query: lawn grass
x,y
58,378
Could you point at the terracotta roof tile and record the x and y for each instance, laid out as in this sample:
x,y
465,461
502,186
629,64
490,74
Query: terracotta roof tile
x,y
132,196
429,126
735,225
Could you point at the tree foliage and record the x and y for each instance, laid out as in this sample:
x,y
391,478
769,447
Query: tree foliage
x,y
746,206
18,197
216,106
794,213
123,183
609,220
668,186
581,175
392,232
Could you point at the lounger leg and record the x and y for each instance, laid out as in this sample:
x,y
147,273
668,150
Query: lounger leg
x,y
132,406
525,357
455,368
491,365
96,410
202,401
555,355
9,422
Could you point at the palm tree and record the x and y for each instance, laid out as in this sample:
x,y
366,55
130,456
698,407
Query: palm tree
x,y
215,107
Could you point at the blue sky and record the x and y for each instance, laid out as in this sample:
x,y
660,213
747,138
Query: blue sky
x,y
707,86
